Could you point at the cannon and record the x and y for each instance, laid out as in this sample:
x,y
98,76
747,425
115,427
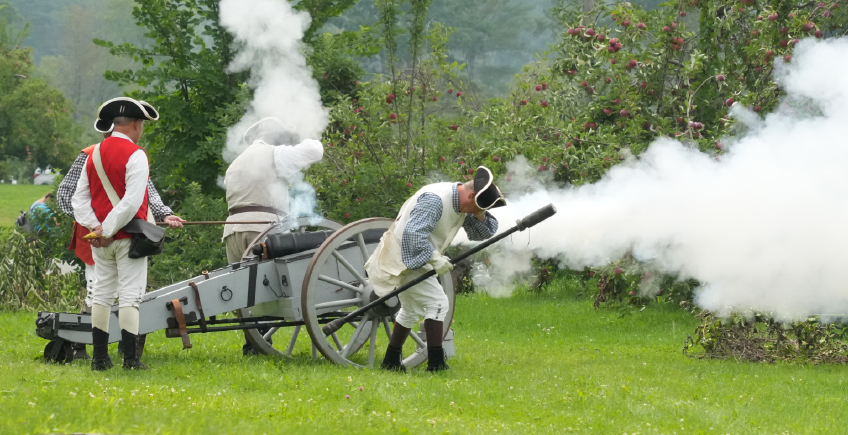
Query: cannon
x,y
299,273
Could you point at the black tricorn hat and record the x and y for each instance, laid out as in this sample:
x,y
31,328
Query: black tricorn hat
x,y
122,106
487,195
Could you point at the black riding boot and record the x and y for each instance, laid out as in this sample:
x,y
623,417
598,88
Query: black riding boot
x,y
436,359
100,349
132,360
393,360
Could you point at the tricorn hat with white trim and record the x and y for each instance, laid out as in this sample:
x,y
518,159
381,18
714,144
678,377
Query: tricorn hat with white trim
x,y
487,195
122,106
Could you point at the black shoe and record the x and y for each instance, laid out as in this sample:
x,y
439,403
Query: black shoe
x,y
132,359
79,351
436,359
393,361
100,350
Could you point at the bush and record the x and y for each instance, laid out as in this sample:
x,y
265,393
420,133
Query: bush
x,y
758,337
31,280
194,248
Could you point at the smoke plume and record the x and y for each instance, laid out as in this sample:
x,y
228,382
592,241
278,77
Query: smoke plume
x,y
268,35
763,226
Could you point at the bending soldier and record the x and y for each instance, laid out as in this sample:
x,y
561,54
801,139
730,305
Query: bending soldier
x,y
415,244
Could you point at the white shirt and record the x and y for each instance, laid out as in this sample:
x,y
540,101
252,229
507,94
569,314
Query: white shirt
x,y
136,182
288,161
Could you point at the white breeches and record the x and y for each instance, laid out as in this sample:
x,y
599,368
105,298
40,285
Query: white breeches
x,y
118,276
426,300
89,284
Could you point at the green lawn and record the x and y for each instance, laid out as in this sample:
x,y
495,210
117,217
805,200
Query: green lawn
x,y
526,365
17,197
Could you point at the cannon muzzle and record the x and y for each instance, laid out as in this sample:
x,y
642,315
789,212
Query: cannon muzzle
x,y
536,217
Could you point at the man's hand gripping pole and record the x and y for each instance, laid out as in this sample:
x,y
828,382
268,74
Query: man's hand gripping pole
x,y
520,225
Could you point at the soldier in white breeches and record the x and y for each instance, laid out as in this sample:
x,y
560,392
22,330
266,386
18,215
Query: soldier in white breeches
x,y
415,244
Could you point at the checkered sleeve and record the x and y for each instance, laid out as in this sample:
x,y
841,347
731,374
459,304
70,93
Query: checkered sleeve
x,y
159,209
414,246
69,185
478,230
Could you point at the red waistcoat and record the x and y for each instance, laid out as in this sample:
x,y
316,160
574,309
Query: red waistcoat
x,y
115,152
81,247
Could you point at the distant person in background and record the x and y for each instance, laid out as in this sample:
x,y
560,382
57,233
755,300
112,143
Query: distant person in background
x,y
257,183
82,249
40,207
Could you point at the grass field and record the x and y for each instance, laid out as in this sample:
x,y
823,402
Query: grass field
x,y
17,197
528,364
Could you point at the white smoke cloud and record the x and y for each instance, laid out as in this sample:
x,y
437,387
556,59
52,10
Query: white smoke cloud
x,y
763,227
268,34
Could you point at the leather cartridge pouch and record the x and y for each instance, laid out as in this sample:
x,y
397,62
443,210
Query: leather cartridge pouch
x,y
147,239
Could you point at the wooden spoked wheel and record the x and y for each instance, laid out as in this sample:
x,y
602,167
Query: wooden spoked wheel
x,y
279,341
336,282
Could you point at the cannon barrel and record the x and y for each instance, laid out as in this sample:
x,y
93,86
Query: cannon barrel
x,y
283,244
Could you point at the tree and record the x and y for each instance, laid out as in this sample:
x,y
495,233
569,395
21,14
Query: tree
x,y
36,127
184,74
78,68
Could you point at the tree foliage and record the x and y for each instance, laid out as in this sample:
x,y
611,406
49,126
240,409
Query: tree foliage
x,y
36,127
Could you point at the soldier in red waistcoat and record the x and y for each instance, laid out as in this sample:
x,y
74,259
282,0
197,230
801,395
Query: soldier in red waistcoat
x,y
125,165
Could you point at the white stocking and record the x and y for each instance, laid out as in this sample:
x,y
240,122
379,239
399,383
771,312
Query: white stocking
x,y
100,317
128,318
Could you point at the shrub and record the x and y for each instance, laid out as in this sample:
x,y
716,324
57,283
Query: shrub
x,y
757,337
194,248
31,280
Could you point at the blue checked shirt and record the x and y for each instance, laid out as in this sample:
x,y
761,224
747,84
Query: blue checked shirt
x,y
69,185
416,249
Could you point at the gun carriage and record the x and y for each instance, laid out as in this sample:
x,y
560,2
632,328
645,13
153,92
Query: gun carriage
x,y
301,275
